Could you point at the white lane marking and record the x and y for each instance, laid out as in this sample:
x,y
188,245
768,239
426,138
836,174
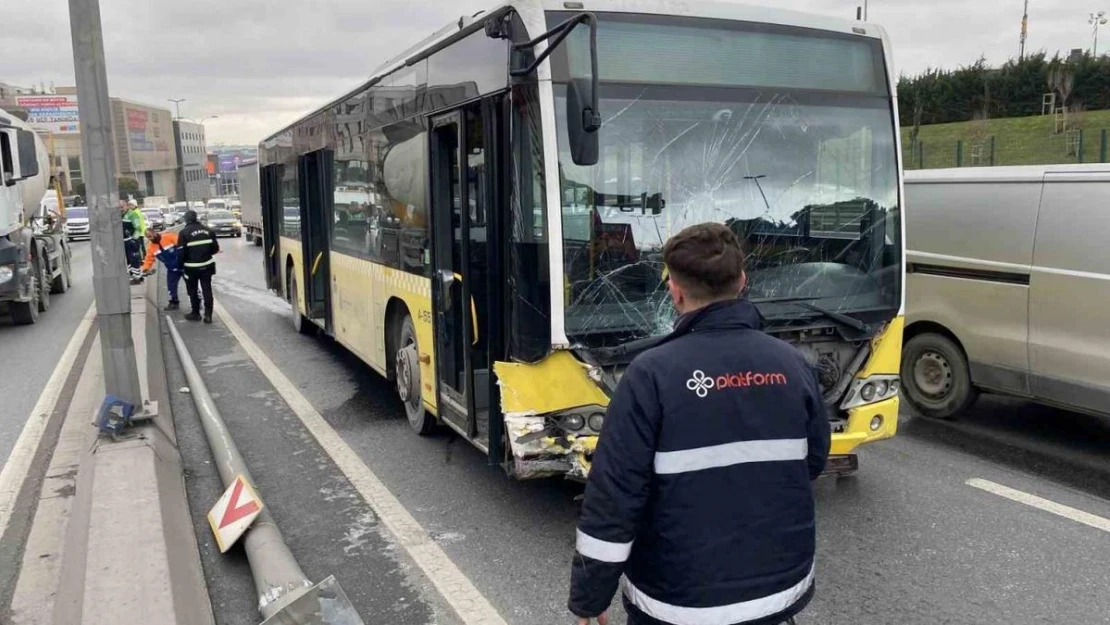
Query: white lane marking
x,y
1059,509
467,601
19,461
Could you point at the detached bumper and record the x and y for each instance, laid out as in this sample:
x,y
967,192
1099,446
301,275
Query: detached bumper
x,y
541,449
860,430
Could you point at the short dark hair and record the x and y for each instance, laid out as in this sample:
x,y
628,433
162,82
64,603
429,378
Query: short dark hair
x,y
707,260
190,216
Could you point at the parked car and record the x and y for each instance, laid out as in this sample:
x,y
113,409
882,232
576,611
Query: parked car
x,y
77,223
223,223
154,219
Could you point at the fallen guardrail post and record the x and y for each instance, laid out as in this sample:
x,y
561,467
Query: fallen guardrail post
x,y
285,594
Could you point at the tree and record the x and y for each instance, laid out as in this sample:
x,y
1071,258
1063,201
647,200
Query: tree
x,y
129,186
1016,89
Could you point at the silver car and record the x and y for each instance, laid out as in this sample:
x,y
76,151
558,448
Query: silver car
x,y
77,223
223,223
1008,280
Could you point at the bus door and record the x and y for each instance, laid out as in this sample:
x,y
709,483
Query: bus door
x,y
316,216
459,284
272,222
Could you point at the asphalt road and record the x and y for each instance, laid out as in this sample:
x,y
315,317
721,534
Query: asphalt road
x,y
907,540
28,354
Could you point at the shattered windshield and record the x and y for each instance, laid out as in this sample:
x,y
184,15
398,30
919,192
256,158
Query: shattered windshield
x,y
806,177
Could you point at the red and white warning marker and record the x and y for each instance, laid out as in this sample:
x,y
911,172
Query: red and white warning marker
x,y
239,506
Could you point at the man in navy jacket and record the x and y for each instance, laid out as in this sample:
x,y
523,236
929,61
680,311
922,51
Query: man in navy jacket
x,y
699,502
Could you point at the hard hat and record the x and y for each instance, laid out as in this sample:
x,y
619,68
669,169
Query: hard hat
x,y
132,203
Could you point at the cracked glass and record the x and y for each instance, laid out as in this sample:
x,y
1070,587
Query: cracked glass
x,y
785,135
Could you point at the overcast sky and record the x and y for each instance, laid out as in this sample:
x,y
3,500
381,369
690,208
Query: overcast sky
x,y
259,64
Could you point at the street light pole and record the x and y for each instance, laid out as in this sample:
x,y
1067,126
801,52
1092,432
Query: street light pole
x,y
1024,30
760,187
110,280
177,105
1097,19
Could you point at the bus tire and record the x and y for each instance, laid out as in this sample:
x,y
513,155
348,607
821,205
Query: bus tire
x,y
936,377
408,379
300,324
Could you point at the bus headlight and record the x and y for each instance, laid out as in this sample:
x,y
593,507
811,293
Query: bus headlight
x,y
596,420
575,420
6,273
871,390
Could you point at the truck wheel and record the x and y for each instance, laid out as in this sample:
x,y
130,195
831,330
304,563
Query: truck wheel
x,y
27,313
61,283
257,239
44,279
936,376
408,379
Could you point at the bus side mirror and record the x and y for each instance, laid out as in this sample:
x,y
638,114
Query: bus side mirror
x,y
583,120
583,114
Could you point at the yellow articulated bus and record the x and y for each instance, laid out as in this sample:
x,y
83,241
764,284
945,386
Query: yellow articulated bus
x,y
483,220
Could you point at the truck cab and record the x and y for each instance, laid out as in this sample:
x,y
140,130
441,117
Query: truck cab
x,y
34,255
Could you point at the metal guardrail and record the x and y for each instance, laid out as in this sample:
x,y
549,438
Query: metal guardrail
x,y
285,594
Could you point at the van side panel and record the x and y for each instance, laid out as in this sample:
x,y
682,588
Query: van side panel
x,y
969,254
1069,333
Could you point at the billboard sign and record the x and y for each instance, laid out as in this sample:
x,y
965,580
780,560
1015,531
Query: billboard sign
x,y
51,113
229,162
149,137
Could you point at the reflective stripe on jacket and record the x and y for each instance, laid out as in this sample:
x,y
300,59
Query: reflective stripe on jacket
x,y
699,501
197,247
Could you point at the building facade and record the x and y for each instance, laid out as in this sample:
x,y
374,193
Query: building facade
x,y
192,159
144,146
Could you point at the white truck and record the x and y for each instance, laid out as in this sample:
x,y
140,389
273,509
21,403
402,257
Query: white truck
x,y
34,253
156,201
250,198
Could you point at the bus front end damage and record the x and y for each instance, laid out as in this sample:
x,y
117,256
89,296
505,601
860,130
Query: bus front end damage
x,y
554,412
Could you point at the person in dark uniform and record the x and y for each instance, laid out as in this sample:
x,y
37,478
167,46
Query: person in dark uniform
x,y
198,248
699,502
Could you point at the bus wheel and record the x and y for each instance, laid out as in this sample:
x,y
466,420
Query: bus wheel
x,y
936,376
299,323
408,380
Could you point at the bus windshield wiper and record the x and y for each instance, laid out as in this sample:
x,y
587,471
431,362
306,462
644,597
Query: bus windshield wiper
x,y
625,352
840,318
780,300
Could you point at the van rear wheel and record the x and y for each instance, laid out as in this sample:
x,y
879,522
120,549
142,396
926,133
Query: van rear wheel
x,y
936,376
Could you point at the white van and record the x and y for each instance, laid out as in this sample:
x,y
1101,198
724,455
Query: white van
x,y
216,204
1008,281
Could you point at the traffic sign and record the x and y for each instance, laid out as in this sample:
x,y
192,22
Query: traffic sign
x,y
239,506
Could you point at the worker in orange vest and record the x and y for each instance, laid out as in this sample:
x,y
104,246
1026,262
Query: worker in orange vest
x,y
163,246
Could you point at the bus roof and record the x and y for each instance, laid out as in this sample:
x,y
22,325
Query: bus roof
x,y
714,9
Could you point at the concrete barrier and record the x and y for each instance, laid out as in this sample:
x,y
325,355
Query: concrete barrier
x,y
131,554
